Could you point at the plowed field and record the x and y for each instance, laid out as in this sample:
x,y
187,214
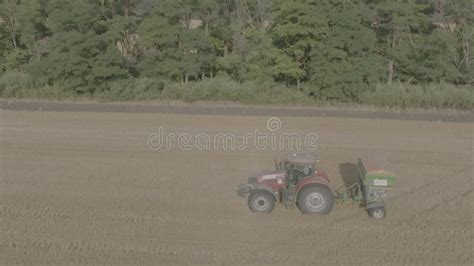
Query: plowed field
x,y
84,187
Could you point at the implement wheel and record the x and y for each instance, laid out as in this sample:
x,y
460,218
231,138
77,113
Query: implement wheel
x,y
377,212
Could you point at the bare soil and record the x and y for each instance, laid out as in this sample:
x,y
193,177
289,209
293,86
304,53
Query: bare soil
x,y
83,187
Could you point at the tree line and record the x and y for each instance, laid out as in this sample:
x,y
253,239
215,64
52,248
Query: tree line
x,y
387,52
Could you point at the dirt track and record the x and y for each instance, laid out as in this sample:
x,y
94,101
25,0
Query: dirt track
x,y
83,187
232,109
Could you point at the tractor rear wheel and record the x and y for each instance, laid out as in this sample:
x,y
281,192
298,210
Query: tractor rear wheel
x,y
315,199
261,201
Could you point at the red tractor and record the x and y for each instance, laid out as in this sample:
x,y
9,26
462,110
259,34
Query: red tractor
x,y
296,181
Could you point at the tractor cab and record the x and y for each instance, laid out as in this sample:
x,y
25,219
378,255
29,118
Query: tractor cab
x,y
299,166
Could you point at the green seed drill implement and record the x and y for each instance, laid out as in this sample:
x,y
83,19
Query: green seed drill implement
x,y
369,190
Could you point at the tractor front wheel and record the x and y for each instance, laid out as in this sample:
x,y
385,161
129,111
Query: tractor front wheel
x,y
261,201
315,199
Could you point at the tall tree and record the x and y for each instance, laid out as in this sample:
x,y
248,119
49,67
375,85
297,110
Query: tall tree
x,y
402,26
461,14
343,62
81,56
24,21
296,28
172,47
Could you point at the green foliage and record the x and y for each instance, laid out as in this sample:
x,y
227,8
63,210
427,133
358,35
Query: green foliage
x,y
133,89
224,89
461,12
384,52
14,59
172,49
296,31
434,95
15,84
346,62
12,82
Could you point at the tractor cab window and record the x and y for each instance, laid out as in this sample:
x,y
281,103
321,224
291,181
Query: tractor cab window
x,y
304,169
298,172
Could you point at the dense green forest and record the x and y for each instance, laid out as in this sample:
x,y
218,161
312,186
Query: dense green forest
x,y
405,53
